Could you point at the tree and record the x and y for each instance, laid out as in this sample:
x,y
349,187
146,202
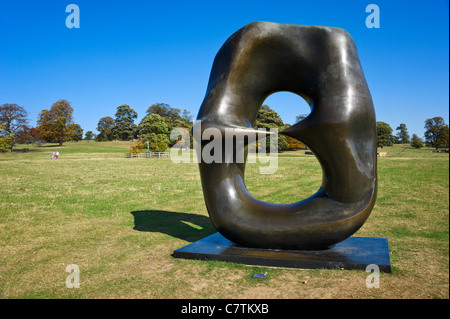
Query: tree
x,y
29,135
436,133
384,135
106,128
14,120
5,140
124,123
171,115
56,123
76,132
416,142
268,118
402,135
153,123
159,142
88,136
186,116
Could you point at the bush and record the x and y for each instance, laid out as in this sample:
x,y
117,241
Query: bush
x,y
137,147
5,143
416,142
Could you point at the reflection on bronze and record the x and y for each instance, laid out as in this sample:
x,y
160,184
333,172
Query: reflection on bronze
x,y
321,64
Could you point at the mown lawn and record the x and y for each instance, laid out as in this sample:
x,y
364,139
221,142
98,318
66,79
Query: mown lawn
x,y
120,220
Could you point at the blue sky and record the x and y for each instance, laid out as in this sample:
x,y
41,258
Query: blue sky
x,y
145,52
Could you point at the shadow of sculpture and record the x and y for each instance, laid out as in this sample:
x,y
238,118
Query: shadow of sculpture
x,y
188,227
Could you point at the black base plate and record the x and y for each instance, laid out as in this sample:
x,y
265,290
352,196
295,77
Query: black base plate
x,y
352,253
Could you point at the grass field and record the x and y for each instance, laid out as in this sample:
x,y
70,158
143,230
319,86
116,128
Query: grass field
x,y
120,220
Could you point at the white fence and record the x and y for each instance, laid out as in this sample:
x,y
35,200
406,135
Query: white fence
x,y
147,155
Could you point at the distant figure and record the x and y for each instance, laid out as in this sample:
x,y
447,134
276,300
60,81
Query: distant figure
x,y
53,156
57,155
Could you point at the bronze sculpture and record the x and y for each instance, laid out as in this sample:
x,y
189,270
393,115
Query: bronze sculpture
x,y
321,64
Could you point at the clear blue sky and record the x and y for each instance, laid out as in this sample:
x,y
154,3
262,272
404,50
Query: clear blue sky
x,y
145,52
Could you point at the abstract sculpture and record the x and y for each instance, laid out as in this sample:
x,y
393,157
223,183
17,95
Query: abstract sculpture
x,y
320,64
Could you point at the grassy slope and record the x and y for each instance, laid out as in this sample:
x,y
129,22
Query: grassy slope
x,y
120,219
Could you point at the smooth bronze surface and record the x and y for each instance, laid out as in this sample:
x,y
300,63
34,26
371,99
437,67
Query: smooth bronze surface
x,y
320,64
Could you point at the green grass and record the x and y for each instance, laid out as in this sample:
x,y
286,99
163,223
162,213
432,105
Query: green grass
x,y
120,220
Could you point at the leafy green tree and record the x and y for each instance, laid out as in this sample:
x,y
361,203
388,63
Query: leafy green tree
x,y
171,115
268,118
168,113
159,142
416,141
436,133
56,123
153,123
384,135
124,128
5,140
402,135
89,136
76,132
14,120
105,127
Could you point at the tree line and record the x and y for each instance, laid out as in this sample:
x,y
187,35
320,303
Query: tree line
x,y
436,134
56,125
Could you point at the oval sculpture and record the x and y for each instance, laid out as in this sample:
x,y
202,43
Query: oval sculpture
x,y
321,64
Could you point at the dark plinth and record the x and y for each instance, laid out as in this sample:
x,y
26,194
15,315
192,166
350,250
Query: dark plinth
x,y
352,253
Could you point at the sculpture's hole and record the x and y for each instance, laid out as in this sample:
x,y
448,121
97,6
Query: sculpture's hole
x,y
290,106
297,174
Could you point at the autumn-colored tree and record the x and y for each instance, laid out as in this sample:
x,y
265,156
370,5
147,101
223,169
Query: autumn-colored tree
x,y
56,123
293,143
13,118
29,135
